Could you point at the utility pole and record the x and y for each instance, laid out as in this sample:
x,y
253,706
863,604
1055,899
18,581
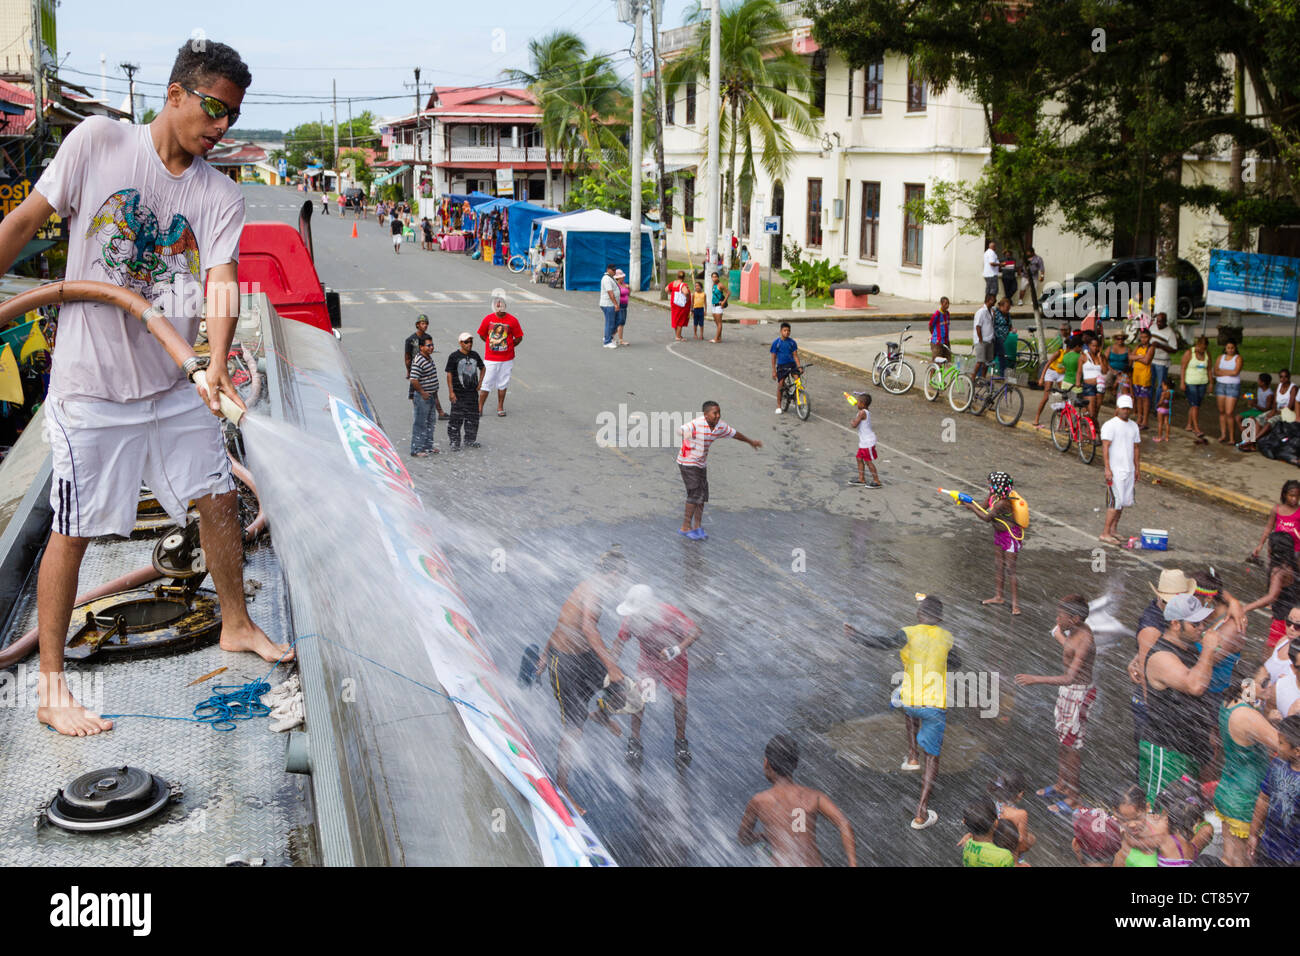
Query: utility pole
x,y
129,69
352,139
715,80
635,151
38,79
661,248
337,179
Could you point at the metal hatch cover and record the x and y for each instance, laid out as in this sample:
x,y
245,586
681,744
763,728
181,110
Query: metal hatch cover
x,y
161,619
109,798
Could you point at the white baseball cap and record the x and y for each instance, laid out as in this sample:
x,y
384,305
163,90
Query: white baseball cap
x,y
639,600
465,337
1124,401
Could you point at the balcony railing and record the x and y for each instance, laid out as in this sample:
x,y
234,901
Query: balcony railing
x,y
496,154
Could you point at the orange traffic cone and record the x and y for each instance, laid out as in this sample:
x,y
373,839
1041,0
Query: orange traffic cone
x,y
354,230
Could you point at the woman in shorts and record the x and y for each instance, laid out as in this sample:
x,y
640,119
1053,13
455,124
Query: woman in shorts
x,y
1227,389
1196,374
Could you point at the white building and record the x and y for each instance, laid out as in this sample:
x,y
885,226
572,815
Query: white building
x,y
886,138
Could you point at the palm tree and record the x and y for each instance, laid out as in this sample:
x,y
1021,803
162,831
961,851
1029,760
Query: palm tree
x,y
552,59
758,74
591,111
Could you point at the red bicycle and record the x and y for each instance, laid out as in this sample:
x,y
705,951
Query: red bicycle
x,y
1070,424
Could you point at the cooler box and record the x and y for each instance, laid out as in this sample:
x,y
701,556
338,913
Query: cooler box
x,y
1154,539
751,282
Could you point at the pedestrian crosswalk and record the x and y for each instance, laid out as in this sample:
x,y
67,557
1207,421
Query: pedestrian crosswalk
x,y
364,297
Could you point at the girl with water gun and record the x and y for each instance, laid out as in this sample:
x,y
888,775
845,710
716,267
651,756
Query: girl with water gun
x,y
1009,515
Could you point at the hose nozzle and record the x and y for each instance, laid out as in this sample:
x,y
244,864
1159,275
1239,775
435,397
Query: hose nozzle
x,y
232,412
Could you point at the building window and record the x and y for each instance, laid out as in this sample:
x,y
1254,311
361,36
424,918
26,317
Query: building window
x,y
532,137
870,230
480,136
819,81
690,104
850,96
844,221
912,228
813,236
915,90
670,107
688,202
874,83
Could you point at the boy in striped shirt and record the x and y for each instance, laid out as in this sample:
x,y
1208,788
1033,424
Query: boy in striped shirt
x,y
697,435
424,379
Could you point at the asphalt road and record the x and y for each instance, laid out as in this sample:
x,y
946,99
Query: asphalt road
x,y
794,553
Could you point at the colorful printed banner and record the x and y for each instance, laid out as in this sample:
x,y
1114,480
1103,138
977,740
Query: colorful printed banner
x,y
460,659
1253,283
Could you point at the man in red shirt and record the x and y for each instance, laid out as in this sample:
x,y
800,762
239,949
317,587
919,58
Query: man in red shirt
x,y
664,633
679,301
500,332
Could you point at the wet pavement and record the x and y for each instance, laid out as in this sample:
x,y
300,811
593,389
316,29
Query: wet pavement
x,y
794,553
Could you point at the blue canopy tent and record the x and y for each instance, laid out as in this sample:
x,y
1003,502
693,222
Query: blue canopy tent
x,y
522,217
592,240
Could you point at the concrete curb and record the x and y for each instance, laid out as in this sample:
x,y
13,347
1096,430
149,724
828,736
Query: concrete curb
x,y
1149,472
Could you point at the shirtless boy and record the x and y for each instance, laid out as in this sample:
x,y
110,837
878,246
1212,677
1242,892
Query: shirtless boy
x,y
1075,697
578,660
789,812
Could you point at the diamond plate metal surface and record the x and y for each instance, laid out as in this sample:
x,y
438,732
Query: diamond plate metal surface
x,y
237,798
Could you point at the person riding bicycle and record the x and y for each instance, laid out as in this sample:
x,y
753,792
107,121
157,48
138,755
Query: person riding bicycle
x,y
1053,373
785,361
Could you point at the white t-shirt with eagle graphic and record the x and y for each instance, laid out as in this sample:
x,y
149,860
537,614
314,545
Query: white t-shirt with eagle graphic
x,y
133,224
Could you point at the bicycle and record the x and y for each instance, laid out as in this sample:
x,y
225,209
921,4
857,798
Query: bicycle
x,y
794,393
1072,425
897,376
1027,351
893,350
938,377
1007,400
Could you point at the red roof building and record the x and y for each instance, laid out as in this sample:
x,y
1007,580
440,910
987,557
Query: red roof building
x,y
466,136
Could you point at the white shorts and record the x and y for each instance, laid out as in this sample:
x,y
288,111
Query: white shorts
x,y
397,239
1119,493
1051,375
497,375
103,451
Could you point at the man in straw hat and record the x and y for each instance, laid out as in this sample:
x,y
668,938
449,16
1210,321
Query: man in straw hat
x,y
663,633
1150,626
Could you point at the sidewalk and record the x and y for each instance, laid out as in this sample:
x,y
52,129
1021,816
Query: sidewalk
x,y
1218,472
882,308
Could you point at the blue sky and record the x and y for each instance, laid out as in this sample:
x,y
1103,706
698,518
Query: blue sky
x,y
369,50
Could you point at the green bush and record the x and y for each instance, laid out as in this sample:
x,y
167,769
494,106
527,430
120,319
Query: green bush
x,y
815,277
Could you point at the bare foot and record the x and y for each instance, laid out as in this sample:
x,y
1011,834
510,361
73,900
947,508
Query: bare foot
x,y
74,721
1015,609
993,600
254,640
60,710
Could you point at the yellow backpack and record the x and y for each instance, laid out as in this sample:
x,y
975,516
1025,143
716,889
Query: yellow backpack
x,y
1020,509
